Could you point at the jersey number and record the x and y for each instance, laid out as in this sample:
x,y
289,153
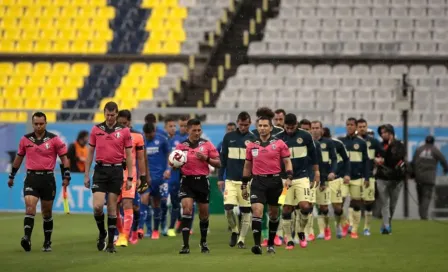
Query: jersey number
x,y
306,191
339,193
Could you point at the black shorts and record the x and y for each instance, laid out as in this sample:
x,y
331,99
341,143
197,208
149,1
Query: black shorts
x,y
196,187
107,179
40,184
266,190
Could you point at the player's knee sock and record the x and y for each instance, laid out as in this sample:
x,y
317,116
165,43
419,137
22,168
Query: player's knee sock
x,y
28,225
309,229
245,223
368,214
143,215
321,222
286,225
264,224
157,217
119,223
256,230
273,226
164,207
128,220
350,216
280,229
48,228
149,219
203,227
111,226
136,220
185,225
231,218
338,217
356,218
303,216
175,213
99,218
192,218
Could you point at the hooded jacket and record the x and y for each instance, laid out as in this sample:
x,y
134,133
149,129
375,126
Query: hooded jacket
x,y
424,163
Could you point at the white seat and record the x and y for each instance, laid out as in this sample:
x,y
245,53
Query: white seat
x,y
380,70
305,105
341,69
436,13
405,24
271,35
284,70
347,36
225,104
352,48
341,105
367,23
441,24
392,118
422,36
398,69
363,105
417,12
344,3
361,12
361,70
437,70
350,81
274,82
331,81
310,36
418,70
306,94
276,48
287,12
374,118
311,23
344,94
389,83
292,24
383,106
287,94
255,82
408,48
265,69
427,48
343,12
325,94
267,94
289,3
245,69
423,24
370,82
386,23
348,23
427,82
379,12
286,104
399,3
293,82
325,12
398,13
325,105
328,36
312,82
330,24
403,36
384,36
235,82
385,94
304,69
366,36
295,48
274,25
322,70
363,94
291,35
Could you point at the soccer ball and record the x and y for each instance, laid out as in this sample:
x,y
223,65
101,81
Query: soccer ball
x,y
177,158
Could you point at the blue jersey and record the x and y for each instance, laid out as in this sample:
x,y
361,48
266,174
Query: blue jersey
x,y
161,132
157,150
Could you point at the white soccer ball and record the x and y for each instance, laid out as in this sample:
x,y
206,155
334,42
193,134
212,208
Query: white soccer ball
x,y
177,158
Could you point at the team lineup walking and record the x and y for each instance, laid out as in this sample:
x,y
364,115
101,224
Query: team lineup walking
x,y
276,175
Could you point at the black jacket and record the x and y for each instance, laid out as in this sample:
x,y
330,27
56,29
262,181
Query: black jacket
x,y
394,166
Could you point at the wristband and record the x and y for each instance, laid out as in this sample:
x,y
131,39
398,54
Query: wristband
x,y
143,178
13,173
289,174
67,174
130,178
245,180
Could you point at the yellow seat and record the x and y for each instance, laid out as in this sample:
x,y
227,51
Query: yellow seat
x,y
42,46
22,117
12,34
61,47
23,68
79,46
179,12
154,25
171,48
97,3
10,92
88,12
67,34
36,81
45,24
55,81
8,23
51,117
138,68
177,35
33,11
14,11
3,79
52,104
51,11
14,103
144,94
150,3
30,34
103,35
17,81
98,47
8,117
61,3
84,34
80,68
3,11
174,24
129,104
157,69
108,12
30,92
169,3
64,23
7,68
60,68
41,68
69,12
124,93
74,81
131,81
98,117
160,13
24,46
32,103
7,46
44,3
49,92
26,3
149,82
158,35
49,34
68,93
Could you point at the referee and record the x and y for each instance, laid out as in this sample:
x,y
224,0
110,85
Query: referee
x,y
41,149
111,142
264,158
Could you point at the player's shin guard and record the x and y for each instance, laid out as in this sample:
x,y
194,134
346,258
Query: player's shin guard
x,y
273,226
203,227
164,211
322,220
143,215
303,218
28,225
350,215
286,225
231,218
256,230
136,220
99,219
157,217
48,228
368,214
309,228
356,218
111,226
175,213
264,225
128,220
148,221
185,225
245,223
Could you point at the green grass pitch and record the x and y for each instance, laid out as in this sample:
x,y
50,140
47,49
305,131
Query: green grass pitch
x,y
414,246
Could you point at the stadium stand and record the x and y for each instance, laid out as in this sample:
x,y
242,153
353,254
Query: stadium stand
x,y
42,85
55,27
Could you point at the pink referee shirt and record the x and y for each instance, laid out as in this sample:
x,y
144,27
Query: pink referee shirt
x,y
41,154
110,143
195,166
267,157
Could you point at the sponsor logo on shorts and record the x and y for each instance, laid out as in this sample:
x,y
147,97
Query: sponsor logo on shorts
x,y
253,196
95,186
28,189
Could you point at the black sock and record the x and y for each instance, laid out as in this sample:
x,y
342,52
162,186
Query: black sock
x,y
111,226
136,220
28,225
48,228
185,225
256,230
203,226
100,224
273,226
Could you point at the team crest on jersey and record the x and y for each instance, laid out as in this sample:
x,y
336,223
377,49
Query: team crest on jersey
x,y
47,146
156,142
255,152
323,146
356,146
247,142
118,135
274,147
299,140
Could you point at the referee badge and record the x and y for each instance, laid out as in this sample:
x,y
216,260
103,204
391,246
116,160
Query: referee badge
x,y
47,146
117,135
255,152
356,146
323,146
274,147
299,140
